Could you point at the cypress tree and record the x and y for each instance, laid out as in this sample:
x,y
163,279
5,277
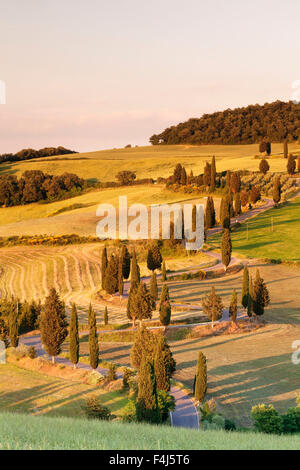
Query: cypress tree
x,y
154,258
120,277
177,174
237,204
233,307
125,261
141,303
74,336
111,278
285,148
147,404
165,313
164,272
213,173
104,263
93,339
105,316
135,272
235,182
245,287
208,214
153,288
226,248
183,177
13,324
200,378
53,324
3,332
264,166
291,165
261,298
250,299
207,175
212,306
225,212
277,190
164,296
164,364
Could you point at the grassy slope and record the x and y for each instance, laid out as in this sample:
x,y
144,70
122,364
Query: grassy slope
x,y
24,391
151,161
283,243
23,432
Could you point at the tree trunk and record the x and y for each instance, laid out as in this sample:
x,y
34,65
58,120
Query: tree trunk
x,y
53,359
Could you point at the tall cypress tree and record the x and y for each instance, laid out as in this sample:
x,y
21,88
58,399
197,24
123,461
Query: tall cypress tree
x,y
13,324
74,336
285,148
153,288
53,324
164,272
147,404
4,332
93,339
237,204
261,297
141,303
164,364
245,287
233,307
200,383
212,306
225,212
135,271
105,316
226,248
277,190
111,279
213,173
250,299
154,258
104,263
120,276
125,261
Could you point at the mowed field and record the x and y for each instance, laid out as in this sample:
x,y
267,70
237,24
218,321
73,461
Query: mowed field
x,y
283,242
151,161
78,215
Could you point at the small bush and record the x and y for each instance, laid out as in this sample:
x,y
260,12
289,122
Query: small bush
x,y
94,410
111,373
208,410
266,419
95,378
229,425
32,352
291,421
166,403
129,412
127,374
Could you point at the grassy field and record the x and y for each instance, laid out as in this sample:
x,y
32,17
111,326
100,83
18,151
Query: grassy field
x,y
24,391
46,218
282,243
151,161
43,433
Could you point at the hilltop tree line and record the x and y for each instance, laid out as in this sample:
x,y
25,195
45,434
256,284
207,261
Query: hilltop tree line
x,y
275,121
29,154
34,186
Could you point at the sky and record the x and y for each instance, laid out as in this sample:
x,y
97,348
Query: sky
x,y
95,74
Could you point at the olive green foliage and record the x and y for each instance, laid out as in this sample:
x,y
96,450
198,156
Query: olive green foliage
x,y
200,378
74,336
93,339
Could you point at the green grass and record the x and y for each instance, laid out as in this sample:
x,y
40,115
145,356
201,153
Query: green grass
x,y
24,432
151,161
283,243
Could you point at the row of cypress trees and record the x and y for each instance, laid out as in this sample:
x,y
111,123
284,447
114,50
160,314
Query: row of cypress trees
x,y
255,295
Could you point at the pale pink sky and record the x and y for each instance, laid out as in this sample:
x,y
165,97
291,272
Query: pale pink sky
x,y
93,74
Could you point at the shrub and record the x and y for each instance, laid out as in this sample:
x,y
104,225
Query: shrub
x,y
229,425
95,378
291,421
129,413
166,403
208,410
266,419
32,352
20,352
112,373
127,374
94,410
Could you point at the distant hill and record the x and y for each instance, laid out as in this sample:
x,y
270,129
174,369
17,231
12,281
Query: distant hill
x,y
273,121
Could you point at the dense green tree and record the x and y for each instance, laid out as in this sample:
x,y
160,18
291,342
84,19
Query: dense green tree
x,y
125,261
153,289
245,287
13,323
147,405
233,307
154,258
53,324
93,339
111,277
261,298
141,303
104,263
212,306
164,364
165,306
237,204
200,383
226,248
74,336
